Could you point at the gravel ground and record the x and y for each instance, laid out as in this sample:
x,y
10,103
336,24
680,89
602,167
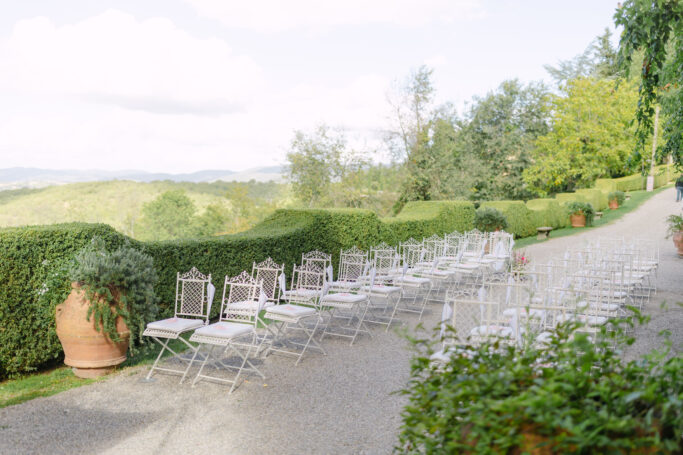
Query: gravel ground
x,y
339,403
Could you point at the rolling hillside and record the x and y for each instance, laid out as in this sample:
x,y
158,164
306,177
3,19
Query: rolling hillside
x,y
117,203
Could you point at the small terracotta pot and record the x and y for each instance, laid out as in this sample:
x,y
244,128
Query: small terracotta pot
x,y
578,220
91,353
613,204
678,242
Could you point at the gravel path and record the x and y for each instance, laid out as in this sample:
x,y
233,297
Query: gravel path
x,y
342,403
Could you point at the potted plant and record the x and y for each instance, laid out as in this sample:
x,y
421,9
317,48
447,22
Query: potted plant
x,y
616,199
675,231
580,213
111,299
488,219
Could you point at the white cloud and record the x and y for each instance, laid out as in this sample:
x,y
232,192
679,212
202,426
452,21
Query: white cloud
x,y
114,59
114,92
278,15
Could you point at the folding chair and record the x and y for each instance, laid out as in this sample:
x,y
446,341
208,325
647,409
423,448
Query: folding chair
x,y
234,331
351,266
193,298
415,291
318,258
267,272
302,305
354,303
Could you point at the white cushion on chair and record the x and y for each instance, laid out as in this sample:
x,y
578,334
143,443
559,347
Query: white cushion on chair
x,y
245,305
486,330
290,310
412,280
225,329
524,312
382,289
344,284
344,297
176,324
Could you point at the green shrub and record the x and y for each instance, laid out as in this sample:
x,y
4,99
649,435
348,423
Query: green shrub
x,y
596,197
520,219
619,196
488,219
575,394
548,212
582,208
630,183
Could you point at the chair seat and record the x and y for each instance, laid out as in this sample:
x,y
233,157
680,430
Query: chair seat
x,y
492,330
343,297
251,305
382,289
290,310
345,284
224,329
442,356
585,319
176,325
412,280
544,338
471,265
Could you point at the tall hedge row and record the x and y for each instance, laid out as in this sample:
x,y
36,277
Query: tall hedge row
x,y
548,212
596,197
27,255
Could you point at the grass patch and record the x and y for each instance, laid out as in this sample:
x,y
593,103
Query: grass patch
x,y
608,216
45,384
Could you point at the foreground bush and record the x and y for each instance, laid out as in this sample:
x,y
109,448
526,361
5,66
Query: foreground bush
x,y
573,395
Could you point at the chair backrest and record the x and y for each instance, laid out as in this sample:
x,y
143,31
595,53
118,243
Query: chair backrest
x,y
194,294
267,272
241,289
434,247
308,277
351,263
410,252
318,258
384,258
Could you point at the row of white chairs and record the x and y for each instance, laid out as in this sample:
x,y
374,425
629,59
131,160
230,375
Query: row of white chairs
x,y
590,284
261,314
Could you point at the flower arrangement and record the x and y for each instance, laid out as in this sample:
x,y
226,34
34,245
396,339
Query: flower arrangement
x,y
520,261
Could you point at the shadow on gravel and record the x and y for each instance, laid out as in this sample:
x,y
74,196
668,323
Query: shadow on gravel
x,y
67,429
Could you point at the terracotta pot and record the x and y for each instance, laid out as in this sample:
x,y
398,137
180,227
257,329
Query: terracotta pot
x,y
613,204
678,242
91,353
578,220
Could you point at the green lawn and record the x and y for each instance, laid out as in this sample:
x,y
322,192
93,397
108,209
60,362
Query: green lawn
x,y
637,198
44,384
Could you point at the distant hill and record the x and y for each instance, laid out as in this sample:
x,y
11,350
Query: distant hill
x,y
118,202
25,177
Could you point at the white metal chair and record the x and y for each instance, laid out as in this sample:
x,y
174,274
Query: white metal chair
x,y
351,266
267,272
318,258
302,305
235,330
345,306
193,298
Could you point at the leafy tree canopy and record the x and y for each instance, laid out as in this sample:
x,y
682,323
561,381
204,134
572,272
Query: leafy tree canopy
x,y
591,137
655,28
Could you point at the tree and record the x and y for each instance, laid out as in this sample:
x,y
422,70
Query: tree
x,y
213,221
314,163
598,60
411,106
169,216
655,28
496,140
591,137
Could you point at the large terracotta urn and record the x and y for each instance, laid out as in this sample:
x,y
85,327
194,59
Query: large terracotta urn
x,y
678,242
91,353
578,220
613,204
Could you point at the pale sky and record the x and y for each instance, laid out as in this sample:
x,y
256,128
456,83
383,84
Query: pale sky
x,y
185,85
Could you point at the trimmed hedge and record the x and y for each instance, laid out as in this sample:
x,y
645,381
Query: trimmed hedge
x,y
521,220
564,198
548,212
422,219
639,182
29,254
596,197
